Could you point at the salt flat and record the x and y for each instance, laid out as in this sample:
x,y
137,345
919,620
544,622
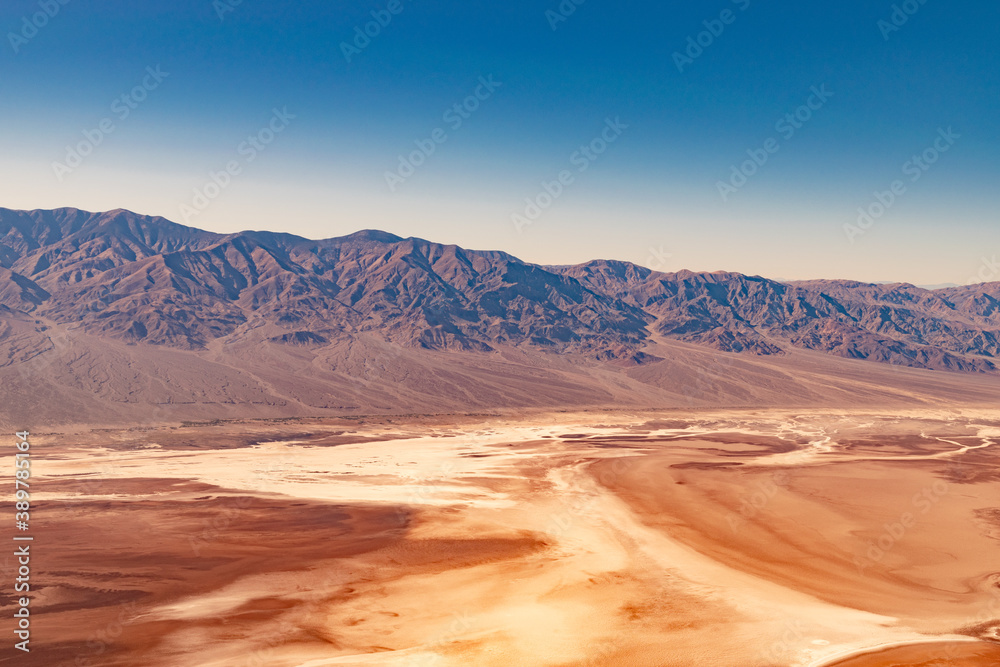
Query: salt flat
x,y
743,538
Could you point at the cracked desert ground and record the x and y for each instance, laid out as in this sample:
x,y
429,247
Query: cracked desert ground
x,y
678,538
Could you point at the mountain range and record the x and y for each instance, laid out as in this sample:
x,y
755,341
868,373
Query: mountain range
x,y
130,297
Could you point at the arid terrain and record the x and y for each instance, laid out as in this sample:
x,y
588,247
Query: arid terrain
x,y
500,334
122,318
743,538
257,449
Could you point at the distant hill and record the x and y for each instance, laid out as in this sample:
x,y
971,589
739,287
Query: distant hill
x,y
115,283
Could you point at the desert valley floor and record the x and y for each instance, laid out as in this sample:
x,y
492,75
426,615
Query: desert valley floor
x,y
744,538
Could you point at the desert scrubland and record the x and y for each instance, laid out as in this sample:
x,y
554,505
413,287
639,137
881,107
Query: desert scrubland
x,y
716,537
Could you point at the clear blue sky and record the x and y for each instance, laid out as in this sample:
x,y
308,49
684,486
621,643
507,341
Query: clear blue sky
x,y
667,130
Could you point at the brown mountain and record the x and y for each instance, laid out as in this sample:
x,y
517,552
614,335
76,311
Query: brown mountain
x,y
114,311
948,329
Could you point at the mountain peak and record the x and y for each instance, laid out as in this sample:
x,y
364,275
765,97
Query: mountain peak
x,y
144,279
371,235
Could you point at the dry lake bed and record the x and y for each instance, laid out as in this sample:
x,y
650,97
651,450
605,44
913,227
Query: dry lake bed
x,y
723,538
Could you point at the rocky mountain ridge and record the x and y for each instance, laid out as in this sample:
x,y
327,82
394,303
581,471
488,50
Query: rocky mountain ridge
x,y
146,280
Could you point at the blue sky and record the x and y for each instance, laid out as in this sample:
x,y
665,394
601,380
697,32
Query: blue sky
x,y
591,137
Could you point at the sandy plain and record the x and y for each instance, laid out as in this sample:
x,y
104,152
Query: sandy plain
x,y
752,538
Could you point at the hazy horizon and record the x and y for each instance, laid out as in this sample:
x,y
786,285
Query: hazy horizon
x,y
784,279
